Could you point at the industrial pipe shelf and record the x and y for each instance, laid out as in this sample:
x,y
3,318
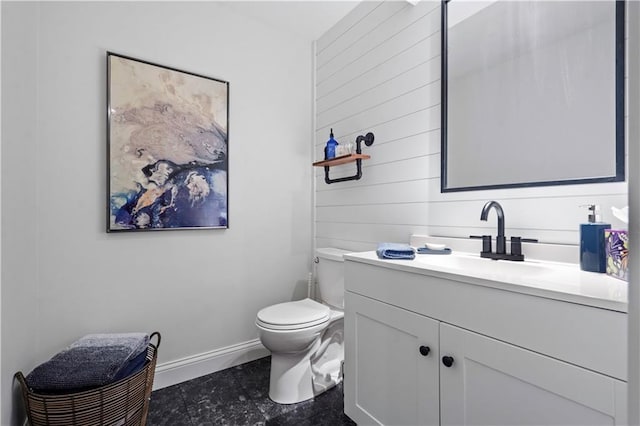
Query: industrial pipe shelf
x,y
346,159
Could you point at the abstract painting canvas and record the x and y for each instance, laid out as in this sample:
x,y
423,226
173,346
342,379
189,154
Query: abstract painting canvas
x,y
168,147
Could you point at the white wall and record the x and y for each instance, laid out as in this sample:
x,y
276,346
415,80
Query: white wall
x,y
20,256
378,70
62,275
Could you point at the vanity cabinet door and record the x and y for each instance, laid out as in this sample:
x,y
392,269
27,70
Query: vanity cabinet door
x,y
490,382
391,364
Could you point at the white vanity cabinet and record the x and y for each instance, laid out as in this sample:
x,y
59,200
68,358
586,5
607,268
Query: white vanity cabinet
x,y
494,383
391,365
516,359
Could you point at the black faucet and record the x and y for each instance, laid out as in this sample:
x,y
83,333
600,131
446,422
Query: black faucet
x,y
500,239
501,252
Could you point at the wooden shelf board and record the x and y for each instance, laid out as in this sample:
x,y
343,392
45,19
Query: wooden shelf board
x,y
344,159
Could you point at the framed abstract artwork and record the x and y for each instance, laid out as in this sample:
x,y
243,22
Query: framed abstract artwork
x,y
167,147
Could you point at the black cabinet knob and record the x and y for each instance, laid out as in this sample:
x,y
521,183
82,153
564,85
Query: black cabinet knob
x,y
447,361
424,350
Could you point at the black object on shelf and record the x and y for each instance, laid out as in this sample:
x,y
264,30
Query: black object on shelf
x,y
368,141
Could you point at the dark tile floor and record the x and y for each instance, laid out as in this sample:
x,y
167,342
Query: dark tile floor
x,y
240,396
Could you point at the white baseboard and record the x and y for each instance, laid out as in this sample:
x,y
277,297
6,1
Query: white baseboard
x,y
180,370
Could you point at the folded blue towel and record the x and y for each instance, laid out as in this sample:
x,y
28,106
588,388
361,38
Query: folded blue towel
x,y
395,251
92,361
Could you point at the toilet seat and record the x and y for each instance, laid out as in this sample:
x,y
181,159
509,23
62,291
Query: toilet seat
x,y
293,315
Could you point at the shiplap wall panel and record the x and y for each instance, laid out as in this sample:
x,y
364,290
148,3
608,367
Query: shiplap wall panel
x,y
387,193
425,50
402,84
389,214
345,244
414,33
405,103
407,147
392,88
365,232
336,56
344,25
375,35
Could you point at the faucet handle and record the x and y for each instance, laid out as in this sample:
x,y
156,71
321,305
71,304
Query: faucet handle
x,y
516,244
486,242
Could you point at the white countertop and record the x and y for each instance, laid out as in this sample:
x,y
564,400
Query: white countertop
x,y
553,280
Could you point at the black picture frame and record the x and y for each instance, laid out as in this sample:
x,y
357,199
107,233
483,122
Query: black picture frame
x,y
167,147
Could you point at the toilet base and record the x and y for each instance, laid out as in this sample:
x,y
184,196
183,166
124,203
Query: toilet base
x,y
291,380
299,376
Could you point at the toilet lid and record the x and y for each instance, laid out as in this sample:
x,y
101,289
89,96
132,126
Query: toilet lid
x,y
298,314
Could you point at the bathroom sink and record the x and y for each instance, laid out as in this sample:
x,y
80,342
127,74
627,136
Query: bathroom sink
x,y
468,263
537,273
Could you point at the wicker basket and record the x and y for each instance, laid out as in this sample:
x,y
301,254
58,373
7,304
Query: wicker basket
x,y
125,402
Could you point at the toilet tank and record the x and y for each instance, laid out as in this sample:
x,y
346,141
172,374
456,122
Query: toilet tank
x,y
330,273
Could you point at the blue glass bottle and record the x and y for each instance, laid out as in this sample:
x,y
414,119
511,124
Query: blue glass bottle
x,y
330,149
592,242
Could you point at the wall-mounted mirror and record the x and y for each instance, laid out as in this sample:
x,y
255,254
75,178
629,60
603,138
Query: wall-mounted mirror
x,y
532,93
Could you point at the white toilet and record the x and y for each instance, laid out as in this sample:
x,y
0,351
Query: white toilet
x,y
306,337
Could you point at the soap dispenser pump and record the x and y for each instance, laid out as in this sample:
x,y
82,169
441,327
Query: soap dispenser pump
x,y
330,149
592,242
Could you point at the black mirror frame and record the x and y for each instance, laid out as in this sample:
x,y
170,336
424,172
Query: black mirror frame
x,y
620,103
